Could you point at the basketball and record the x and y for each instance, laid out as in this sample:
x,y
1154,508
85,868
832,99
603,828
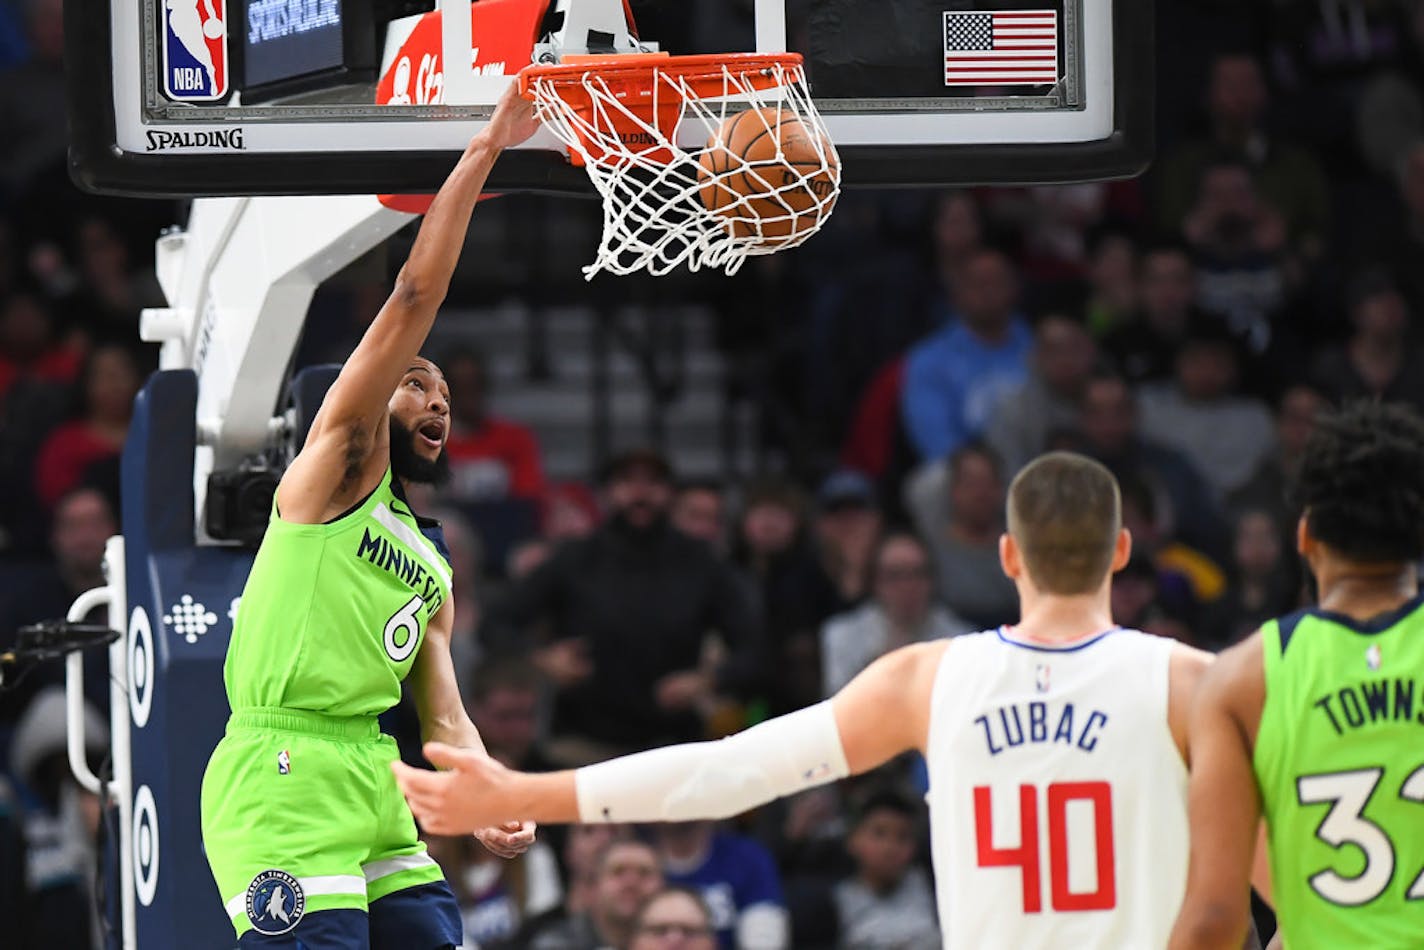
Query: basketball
x,y
765,171
213,28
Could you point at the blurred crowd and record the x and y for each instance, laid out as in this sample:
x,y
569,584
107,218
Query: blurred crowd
x,y
1185,328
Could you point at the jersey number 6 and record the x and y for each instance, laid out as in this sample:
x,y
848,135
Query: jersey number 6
x,y
1026,855
404,621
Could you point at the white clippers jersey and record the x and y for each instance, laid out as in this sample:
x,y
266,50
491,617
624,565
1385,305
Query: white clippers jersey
x,y
1058,800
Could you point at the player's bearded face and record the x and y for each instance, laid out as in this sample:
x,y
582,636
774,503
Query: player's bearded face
x,y
410,465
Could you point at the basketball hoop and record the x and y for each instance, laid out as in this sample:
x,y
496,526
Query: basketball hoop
x,y
650,130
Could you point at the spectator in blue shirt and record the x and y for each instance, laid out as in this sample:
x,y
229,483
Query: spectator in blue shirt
x,y
954,378
736,876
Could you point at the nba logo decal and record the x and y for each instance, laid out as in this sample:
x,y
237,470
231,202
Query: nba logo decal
x,y
1372,657
1040,677
195,64
275,902
284,763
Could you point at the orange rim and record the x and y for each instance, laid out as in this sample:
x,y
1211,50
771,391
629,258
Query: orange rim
x,y
631,71
633,79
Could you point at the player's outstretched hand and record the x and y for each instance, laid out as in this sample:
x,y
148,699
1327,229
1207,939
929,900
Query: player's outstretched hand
x,y
508,840
464,798
513,120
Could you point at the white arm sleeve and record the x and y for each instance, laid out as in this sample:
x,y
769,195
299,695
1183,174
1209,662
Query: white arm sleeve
x,y
710,780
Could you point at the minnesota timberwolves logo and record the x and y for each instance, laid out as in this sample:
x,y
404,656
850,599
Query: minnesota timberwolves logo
x,y
275,902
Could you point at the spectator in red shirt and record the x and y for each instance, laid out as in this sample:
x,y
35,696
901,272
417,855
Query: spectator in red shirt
x,y
111,380
490,458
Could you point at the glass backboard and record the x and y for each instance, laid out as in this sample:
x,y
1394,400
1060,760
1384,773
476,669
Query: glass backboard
x,y
232,97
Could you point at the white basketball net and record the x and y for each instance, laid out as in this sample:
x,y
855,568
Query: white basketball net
x,y
654,217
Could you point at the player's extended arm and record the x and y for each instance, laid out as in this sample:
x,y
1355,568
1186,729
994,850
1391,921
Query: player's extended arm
x,y
337,461
443,719
879,714
1224,806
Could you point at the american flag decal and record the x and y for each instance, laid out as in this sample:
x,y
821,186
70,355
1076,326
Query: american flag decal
x,y
1002,48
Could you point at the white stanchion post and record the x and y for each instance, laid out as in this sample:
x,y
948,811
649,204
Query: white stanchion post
x,y
74,693
121,787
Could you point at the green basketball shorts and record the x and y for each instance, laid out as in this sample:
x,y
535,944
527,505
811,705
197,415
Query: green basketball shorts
x,y
311,797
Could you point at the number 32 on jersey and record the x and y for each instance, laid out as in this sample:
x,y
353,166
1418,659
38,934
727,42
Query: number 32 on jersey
x,y
1348,794
1093,802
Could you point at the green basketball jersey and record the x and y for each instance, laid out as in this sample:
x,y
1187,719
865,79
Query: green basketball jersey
x,y
1340,763
333,614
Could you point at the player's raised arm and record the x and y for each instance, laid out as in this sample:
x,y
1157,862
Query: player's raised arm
x,y
342,457
881,713
1224,805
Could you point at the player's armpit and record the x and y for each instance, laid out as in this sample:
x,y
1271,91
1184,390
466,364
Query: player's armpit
x,y
885,710
327,464
1224,808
